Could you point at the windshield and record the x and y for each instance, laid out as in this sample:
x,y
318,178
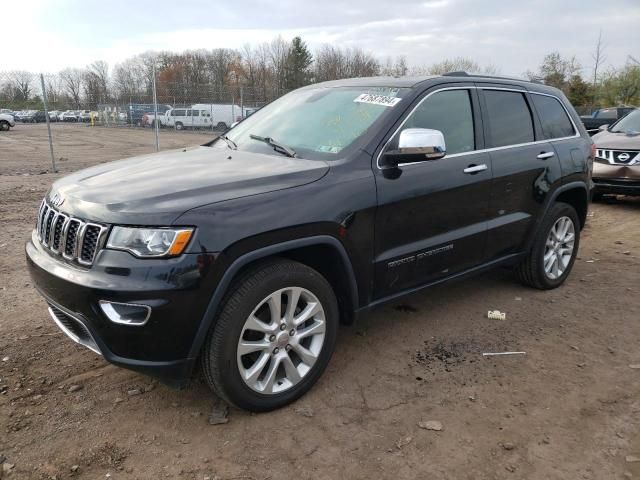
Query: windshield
x,y
629,123
315,123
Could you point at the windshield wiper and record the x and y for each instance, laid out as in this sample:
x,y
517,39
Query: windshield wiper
x,y
277,146
231,143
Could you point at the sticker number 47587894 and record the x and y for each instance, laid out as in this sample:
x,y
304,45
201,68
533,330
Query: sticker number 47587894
x,y
383,100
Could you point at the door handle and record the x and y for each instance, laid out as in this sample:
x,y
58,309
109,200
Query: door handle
x,y
475,169
545,155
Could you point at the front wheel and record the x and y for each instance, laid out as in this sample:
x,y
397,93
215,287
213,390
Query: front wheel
x,y
179,126
554,249
273,338
4,126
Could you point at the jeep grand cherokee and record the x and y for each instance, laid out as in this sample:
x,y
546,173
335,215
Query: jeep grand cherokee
x,y
245,253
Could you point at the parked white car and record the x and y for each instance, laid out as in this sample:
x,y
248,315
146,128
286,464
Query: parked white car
x,y
68,116
6,122
84,115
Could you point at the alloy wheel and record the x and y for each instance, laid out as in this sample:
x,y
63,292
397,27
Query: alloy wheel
x,y
559,247
281,340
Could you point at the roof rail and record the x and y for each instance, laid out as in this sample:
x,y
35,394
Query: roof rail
x,y
460,73
465,74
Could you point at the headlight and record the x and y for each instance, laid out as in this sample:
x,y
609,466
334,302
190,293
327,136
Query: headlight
x,y
150,242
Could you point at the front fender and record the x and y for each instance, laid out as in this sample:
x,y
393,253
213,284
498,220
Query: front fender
x,y
236,266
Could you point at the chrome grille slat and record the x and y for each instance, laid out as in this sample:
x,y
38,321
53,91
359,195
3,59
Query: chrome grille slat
x,y
67,236
632,157
51,213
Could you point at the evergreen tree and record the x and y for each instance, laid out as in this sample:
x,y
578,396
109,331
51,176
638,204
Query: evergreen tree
x,y
299,59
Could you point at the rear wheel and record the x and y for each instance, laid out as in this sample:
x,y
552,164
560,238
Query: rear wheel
x,y
273,338
221,126
554,249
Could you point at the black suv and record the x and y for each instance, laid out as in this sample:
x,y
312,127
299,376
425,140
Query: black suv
x,y
245,253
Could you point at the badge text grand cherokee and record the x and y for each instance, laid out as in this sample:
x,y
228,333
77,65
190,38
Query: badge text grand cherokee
x,y
245,253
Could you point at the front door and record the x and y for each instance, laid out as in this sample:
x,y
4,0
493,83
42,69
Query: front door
x,y
431,220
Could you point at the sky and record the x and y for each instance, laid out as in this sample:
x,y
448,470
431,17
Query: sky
x,y
49,35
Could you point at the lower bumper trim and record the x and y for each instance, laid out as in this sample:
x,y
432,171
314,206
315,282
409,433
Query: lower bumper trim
x,y
73,328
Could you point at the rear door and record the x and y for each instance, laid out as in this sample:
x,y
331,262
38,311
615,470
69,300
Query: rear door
x,y
431,216
524,167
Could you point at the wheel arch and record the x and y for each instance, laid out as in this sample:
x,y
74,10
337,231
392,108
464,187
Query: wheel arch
x,y
575,194
311,251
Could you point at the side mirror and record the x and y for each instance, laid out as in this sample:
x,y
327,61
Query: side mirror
x,y
416,145
603,128
234,124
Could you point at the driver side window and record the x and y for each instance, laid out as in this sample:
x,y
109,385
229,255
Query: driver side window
x,y
450,112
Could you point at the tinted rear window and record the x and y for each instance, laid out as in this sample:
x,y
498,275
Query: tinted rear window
x,y
553,117
509,118
607,113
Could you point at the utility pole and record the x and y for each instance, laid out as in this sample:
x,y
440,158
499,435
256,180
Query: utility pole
x,y
155,109
46,116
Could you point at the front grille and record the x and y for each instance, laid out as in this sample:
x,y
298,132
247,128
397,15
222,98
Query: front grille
x,y
619,157
91,234
72,232
73,327
75,239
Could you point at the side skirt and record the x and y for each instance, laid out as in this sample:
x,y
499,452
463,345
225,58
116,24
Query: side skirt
x,y
511,259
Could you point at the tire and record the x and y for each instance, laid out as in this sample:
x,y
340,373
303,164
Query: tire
x,y
4,126
179,126
248,298
532,270
221,126
597,197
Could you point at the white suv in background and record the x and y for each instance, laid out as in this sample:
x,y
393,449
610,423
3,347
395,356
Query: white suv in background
x,y
6,121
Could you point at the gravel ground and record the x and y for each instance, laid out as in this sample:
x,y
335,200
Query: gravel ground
x,y
568,409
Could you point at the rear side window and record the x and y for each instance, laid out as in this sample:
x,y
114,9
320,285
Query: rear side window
x,y
553,117
509,118
450,112
196,113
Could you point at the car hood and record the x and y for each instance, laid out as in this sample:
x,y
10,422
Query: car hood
x,y
155,189
616,141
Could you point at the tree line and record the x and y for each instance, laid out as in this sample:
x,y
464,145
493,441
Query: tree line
x,y
256,74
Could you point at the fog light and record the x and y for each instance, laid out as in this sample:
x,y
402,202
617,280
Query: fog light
x,y
126,313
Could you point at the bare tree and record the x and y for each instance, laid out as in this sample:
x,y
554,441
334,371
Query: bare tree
x,y
399,68
72,81
53,84
22,82
333,63
598,60
457,64
100,71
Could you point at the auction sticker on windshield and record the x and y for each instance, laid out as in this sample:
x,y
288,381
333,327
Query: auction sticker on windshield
x,y
383,100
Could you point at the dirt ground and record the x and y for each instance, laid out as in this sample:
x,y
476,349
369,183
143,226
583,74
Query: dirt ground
x,y
567,409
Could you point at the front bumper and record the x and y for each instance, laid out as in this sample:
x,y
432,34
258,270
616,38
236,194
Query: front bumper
x,y
177,290
616,179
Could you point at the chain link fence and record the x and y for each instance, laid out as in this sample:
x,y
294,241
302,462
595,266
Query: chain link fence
x,y
161,109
